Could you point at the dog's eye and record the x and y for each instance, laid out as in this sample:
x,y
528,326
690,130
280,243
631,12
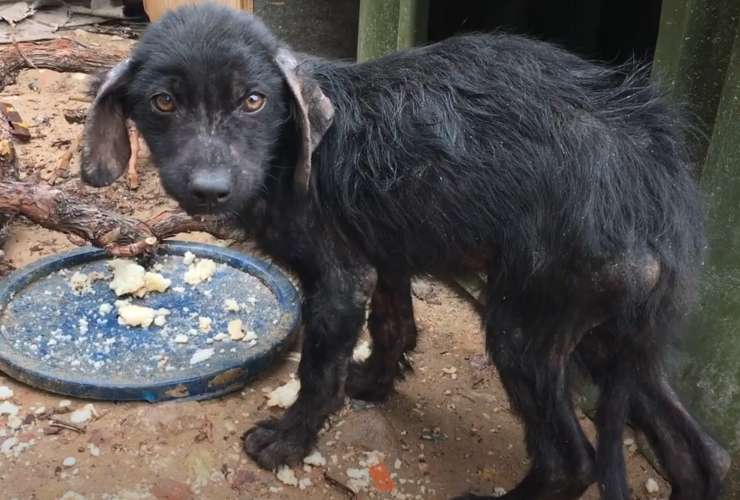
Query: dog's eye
x,y
164,103
254,103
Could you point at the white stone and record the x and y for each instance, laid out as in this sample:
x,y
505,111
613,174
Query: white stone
x,y
83,415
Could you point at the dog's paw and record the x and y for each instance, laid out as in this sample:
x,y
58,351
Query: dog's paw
x,y
365,383
271,444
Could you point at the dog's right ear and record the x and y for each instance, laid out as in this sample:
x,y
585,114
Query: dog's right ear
x,y
315,113
106,148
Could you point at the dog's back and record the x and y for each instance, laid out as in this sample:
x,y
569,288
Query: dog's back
x,y
485,139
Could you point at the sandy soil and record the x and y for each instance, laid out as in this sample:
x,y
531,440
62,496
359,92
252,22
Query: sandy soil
x,y
447,430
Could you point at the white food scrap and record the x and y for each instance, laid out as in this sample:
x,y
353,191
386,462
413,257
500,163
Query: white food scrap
x,y
359,479
286,476
153,282
181,338
5,393
80,283
130,278
235,329
231,305
188,258
361,352
7,408
205,324
133,315
651,486
200,271
316,459
285,395
201,355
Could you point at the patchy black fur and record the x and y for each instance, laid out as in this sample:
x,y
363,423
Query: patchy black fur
x,y
567,182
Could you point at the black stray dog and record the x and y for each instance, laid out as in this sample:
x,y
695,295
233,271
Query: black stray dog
x,y
566,182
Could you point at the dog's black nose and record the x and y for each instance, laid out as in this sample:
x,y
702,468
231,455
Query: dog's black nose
x,y
209,186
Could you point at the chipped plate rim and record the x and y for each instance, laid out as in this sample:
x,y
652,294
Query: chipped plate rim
x,y
211,383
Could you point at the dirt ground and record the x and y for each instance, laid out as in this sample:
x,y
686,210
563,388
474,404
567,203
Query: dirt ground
x,y
447,430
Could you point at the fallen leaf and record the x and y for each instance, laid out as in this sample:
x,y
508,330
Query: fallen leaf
x,y
169,489
382,478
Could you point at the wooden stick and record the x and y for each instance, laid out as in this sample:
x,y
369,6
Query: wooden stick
x,y
118,234
65,159
8,171
63,54
133,139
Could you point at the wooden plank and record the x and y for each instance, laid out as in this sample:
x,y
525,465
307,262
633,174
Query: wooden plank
x,y
155,8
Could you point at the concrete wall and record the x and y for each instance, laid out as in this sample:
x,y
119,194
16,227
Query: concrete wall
x,y
327,28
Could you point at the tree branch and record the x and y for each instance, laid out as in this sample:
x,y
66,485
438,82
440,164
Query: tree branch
x,y
120,235
62,54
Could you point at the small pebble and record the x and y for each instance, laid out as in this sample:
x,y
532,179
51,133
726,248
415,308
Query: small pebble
x,y
7,408
83,415
69,462
14,422
5,393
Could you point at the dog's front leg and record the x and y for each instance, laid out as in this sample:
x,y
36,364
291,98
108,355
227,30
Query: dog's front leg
x,y
334,312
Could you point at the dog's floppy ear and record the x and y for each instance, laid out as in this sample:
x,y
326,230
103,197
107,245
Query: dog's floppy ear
x,y
106,148
315,113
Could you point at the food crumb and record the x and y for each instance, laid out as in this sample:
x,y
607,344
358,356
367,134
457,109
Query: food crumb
x,y
231,305
204,324
286,476
201,355
188,258
200,271
235,329
285,395
316,459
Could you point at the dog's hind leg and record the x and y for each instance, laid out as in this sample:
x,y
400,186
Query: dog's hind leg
x,y
601,353
693,462
393,332
531,358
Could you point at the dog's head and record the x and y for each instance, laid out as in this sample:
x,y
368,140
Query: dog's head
x,y
212,91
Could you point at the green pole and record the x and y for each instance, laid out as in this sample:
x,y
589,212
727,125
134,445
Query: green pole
x,y
711,377
692,55
389,25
